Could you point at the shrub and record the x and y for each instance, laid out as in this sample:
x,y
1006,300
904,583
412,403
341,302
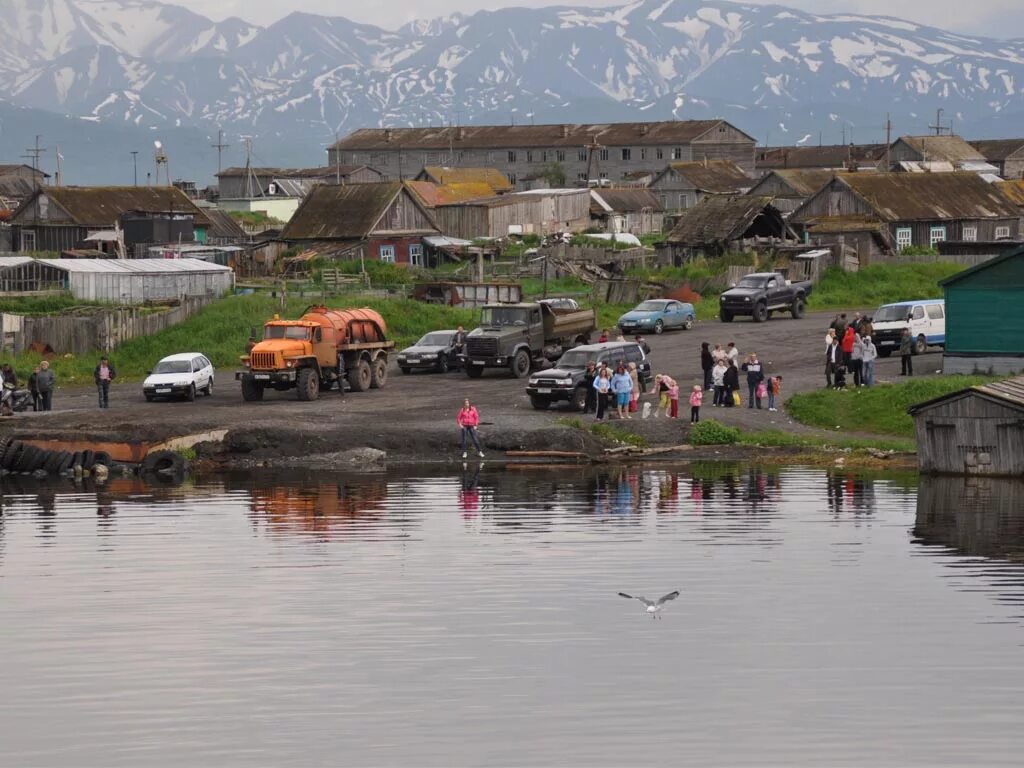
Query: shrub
x,y
713,432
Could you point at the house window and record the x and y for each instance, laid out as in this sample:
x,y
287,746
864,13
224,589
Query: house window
x,y
581,176
677,153
28,241
511,178
387,253
529,155
1002,233
659,154
416,255
560,155
604,154
904,238
643,153
936,235
582,155
544,156
663,199
684,200
511,155
627,153
970,234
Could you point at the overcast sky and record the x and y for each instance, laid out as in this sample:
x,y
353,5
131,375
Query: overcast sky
x,y
1001,18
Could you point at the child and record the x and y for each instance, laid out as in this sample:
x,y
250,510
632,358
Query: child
x,y
840,377
774,390
695,400
673,397
718,380
761,392
661,392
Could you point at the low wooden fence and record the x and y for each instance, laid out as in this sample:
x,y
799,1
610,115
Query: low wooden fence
x,y
89,330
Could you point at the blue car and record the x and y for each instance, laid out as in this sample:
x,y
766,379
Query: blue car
x,y
657,315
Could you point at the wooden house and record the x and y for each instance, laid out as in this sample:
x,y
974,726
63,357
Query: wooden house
x,y
682,185
725,224
17,183
1005,154
383,222
243,183
831,157
974,431
432,195
539,212
984,330
906,209
935,153
790,187
444,176
631,209
63,218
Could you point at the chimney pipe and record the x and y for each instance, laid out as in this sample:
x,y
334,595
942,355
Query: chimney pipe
x,y
460,133
387,134
565,131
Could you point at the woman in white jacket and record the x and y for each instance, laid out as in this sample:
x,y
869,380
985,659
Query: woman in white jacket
x,y
870,353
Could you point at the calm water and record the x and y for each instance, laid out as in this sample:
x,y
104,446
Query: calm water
x,y
825,619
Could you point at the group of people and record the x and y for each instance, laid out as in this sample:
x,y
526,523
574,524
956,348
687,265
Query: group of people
x,y
42,383
722,369
606,389
850,350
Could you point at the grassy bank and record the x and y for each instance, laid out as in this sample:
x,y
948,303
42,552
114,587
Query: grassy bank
x,y
881,409
711,432
221,330
880,284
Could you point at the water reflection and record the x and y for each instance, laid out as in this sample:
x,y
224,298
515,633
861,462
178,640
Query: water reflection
x,y
972,515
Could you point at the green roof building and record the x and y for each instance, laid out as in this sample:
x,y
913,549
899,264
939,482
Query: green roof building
x,y
984,317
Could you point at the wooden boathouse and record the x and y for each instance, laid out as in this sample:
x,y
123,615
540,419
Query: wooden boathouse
x,y
974,431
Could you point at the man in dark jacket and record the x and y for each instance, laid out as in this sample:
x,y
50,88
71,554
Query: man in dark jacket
x,y
907,353
732,383
46,382
707,362
459,343
833,359
754,377
104,374
590,403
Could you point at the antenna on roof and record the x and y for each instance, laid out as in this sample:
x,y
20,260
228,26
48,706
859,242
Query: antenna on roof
x,y
220,146
251,181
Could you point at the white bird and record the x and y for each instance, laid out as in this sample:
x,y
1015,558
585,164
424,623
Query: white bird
x,y
653,607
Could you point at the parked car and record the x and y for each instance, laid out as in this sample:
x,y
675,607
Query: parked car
x,y
926,319
561,302
564,382
181,375
657,315
762,293
436,351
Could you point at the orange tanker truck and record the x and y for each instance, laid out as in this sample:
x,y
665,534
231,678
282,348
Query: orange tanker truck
x,y
321,349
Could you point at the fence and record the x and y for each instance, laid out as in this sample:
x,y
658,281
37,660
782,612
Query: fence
x,y
92,330
963,259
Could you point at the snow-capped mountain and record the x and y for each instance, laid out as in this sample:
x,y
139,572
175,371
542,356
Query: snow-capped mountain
x,y
780,74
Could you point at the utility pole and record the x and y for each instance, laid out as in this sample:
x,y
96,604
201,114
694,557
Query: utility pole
x,y
888,140
938,127
135,168
592,162
59,176
337,161
220,146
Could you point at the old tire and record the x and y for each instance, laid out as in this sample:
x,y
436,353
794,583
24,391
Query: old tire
x,y
10,453
65,462
209,388
191,394
725,317
165,462
442,363
521,364
88,459
540,403
379,372
920,345
474,371
760,312
252,391
405,369
102,457
797,308
308,384
359,376
659,327
578,401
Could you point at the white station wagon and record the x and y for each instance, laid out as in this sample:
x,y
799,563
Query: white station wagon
x,y
180,375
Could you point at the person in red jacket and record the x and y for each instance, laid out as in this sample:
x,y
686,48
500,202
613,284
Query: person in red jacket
x,y
847,343
468,419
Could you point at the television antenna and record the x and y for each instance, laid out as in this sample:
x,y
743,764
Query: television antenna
x,y
160,158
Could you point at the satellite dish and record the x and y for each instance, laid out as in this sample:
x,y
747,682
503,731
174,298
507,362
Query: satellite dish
x,y
158,145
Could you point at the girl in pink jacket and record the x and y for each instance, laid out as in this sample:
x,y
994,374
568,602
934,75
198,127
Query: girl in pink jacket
x,y
696,398
468,419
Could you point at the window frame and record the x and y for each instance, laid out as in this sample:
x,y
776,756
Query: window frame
x,y
386,254
1002,232
936,235
416,255
970,234
906,242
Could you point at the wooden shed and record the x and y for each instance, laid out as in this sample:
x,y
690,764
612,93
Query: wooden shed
x,y
984,330
974,431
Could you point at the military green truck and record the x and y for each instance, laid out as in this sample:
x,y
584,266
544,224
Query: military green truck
x,y
518,337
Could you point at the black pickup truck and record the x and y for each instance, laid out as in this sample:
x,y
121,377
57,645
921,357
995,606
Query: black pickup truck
x,y
762,293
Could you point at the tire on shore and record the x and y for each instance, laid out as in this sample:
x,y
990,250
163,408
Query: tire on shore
x,y
164,462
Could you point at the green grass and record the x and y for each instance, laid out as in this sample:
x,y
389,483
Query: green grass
x,y
45,305
880,284
778,439
604,431
881,409
221,330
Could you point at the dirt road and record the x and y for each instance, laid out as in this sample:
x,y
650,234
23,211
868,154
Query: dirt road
x,y
413,417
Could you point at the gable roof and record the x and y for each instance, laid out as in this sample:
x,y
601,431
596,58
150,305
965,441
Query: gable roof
x,y
102,206
952,149
514,136
827,156
494,178
1014,190
720,218
11,168
623,200
344,212
1008,392
803,182
432,195
998,149
222,224
716,176
1006,256
928,196
320,172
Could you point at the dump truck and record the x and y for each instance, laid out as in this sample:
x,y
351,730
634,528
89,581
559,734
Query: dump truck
x,y
322,349
520,336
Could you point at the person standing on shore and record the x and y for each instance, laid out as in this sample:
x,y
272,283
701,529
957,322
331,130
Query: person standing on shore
x,y
870,353
847,344
634,393
622,386
33,389
774,391
754,377
696,397
707,363
590,397
104,374
603,387
732,355
833,359
732,384
718,380
459,343
46,382
856,363
468,419
906,353
831,334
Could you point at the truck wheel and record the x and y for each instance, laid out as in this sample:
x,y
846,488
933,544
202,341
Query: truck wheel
x,y
521,364
760,312
578,401
540,403
797,308
252,391
659,327
442,363
379,372
921,345
688,325
308,384
474,371
725,317
359,376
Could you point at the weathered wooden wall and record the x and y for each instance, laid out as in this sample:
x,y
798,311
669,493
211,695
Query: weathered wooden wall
x,y
980,516
971,435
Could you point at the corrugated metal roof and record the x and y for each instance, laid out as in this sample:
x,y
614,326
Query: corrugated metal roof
x,y
492,177
803,182
720,219
929,196
829,156
953,149
625,199
320,172
100,207
718,176
998,149
516,136
1014,190
141,266
6,262
431,194
1010,391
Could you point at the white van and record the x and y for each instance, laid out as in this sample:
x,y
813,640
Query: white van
x,y
926,319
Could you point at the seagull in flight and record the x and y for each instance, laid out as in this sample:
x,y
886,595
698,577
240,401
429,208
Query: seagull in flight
x,y
653,606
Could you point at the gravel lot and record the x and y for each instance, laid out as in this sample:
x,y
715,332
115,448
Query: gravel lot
x,y
413,416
